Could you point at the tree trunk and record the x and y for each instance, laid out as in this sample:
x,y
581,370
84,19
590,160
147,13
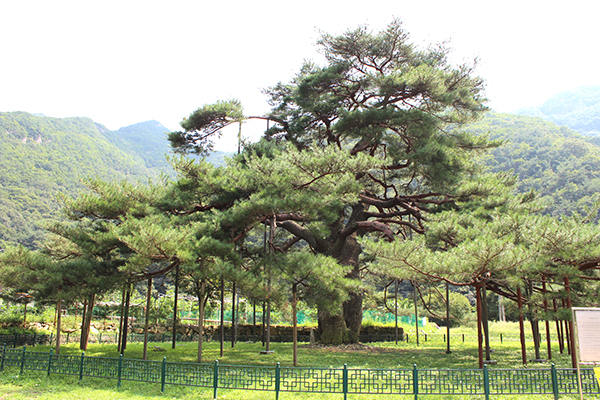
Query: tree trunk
x,y
571,328
175,306
533,320
521,327
344,327
201,295
58,324
548,338
479,320
87,323
485,323
125,319
82,329
120,320
147,322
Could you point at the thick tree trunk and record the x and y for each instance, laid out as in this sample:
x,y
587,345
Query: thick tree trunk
x,y
344,327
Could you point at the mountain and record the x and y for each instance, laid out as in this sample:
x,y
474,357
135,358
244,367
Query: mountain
x,y
578,109
42,158
559,163
148,140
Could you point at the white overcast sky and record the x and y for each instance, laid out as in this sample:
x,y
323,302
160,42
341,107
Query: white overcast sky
x,y
123,62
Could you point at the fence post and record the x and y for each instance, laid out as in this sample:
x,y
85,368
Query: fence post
x,y
81,365
500,338
68,333
554,381
23,358
163,373
3,356
34,336
215,379
49,362
345,381
51,334
100,338
277,380
415,381
119,370
486,382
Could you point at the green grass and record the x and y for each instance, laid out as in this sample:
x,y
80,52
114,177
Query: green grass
x,y
428,355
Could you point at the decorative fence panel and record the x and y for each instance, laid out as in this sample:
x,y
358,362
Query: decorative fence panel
x,y
278,379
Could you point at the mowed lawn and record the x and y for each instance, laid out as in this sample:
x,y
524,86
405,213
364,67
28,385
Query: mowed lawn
x,y
430,354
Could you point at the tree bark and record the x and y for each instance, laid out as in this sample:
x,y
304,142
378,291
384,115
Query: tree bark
x,y
571,328
147,322
125,319
521,327
88,321
201,295
479,320
58,324
345,326
120,319
485,323
175,306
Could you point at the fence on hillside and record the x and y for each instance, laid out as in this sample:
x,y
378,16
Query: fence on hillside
x,y
343,381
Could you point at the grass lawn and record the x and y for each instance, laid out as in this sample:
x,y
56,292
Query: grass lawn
x,y
388,355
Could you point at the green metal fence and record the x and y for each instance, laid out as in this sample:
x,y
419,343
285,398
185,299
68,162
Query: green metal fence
x,y
278,379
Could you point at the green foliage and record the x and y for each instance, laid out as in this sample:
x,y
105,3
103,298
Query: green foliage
x,y
577,109
42,158
554,161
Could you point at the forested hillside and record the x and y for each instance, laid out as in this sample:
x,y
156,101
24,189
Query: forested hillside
x,y
563,166
148,140
41,157
578,109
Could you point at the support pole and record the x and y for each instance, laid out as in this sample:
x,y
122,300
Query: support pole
x,y
396,308
479,333
448,318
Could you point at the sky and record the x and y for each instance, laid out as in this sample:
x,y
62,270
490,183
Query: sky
x,y
128,61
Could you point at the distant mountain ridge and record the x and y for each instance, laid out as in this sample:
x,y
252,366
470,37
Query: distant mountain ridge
x,y
578,109
42,157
